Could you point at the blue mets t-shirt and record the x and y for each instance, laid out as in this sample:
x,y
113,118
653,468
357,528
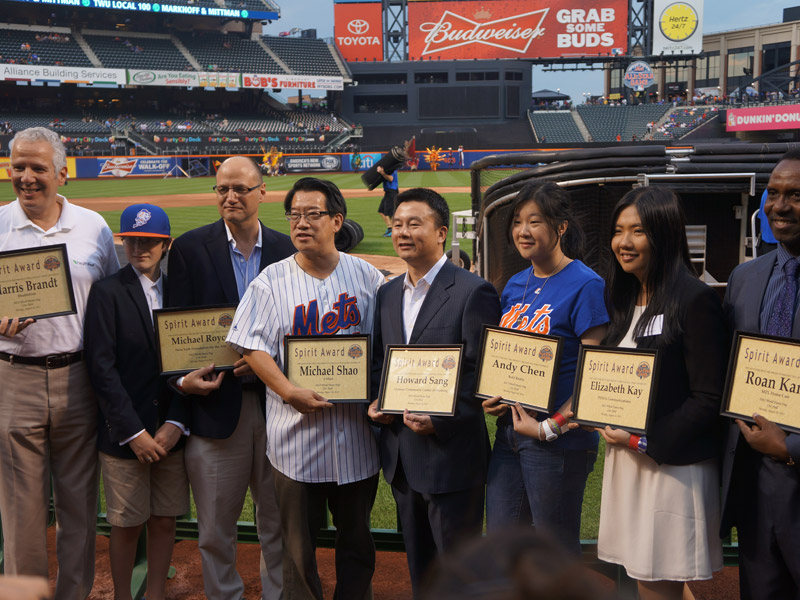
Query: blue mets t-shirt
x,y
566,305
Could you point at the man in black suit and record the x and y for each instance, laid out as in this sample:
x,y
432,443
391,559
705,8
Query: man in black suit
x,y
436,465
226,451
760,477
136,419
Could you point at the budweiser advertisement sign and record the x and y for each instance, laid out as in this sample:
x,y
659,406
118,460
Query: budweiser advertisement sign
x,y
359,31
516,29
764,117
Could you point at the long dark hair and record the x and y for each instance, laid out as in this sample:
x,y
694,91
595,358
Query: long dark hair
x,y
553,203
664,225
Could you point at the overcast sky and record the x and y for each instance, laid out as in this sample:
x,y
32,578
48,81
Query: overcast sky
x,y
719,15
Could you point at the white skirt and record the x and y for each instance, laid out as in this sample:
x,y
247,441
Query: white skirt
x,y
661,522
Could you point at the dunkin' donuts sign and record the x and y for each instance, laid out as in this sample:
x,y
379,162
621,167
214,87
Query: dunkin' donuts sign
x,y
516,29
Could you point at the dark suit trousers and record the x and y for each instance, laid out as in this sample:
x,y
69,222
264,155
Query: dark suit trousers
x,y
768,522
302,507
435,523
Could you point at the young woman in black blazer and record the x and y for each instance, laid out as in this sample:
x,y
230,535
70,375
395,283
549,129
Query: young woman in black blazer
x,y
660,508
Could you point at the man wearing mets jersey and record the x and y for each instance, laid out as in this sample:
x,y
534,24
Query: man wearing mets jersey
x,y
320,451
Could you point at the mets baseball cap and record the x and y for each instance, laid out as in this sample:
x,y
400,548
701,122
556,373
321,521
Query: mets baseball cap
x,y
144,220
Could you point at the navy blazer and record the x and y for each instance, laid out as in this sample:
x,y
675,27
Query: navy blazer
x,y
685,426
746,287
122,360
456,456
201,274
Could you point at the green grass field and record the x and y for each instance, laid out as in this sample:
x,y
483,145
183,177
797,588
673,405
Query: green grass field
x,y
362,210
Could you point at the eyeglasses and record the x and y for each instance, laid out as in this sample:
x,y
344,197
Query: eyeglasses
x,y
312,215
239,190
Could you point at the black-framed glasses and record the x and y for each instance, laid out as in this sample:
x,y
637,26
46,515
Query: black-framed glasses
x,y
239,190
312,215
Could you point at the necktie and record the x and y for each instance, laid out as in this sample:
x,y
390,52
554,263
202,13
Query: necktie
x,y
780,321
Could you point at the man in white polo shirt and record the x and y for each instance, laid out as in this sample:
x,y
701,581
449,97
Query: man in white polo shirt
x,y
48,414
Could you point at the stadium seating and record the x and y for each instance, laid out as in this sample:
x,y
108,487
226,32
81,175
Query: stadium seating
x,y
683,120
555,126
304,56
219,52
606,122
314,121
45,51
119,52
61,122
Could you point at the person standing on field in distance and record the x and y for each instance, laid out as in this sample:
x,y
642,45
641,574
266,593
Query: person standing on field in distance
x,y
226,451
386,207
760,476
139,429
48,413
322,452
435,465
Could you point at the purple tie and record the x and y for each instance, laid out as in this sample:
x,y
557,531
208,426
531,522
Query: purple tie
x,y
780,321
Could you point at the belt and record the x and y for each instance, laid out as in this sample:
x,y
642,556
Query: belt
x,y
54,361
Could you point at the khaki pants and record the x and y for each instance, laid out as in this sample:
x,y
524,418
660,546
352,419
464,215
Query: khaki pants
x,y
48,427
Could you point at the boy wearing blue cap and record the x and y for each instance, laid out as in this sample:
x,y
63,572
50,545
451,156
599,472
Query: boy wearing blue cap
x,y
139,428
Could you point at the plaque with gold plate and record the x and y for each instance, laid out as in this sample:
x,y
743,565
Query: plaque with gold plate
x,y
191,338
337,367
35,283
519,366
615,386
421,379
764,378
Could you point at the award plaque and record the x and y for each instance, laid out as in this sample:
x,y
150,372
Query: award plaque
x,y
337,367
35,283
421,379
615,386
764,378
519,366
191,338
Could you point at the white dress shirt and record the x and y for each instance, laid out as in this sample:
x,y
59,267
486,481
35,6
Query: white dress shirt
x,y
414,295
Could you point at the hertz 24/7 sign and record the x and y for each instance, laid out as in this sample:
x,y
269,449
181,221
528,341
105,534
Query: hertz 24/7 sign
x,y
516,29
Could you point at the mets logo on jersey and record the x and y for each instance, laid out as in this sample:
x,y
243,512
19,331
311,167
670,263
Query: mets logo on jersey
x,y
355,351
516,317
643,370
308,321
51,263
225,320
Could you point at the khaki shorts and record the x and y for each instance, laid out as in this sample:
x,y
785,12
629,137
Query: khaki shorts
x,y
135,491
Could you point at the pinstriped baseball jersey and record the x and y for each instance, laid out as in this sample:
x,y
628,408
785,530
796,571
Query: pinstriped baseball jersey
x,y
335,444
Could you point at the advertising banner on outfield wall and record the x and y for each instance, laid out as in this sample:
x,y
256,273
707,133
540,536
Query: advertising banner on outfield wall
x,y
61,74
296,82
678,27
130,166
516,29
358,30
312,162
763,118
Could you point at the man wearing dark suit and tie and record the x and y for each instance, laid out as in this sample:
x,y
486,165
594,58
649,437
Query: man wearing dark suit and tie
x,y
139,429
435,465
760,477
226,451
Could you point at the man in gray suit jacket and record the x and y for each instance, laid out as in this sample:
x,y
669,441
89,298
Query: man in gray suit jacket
x,y
435,465
761,481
